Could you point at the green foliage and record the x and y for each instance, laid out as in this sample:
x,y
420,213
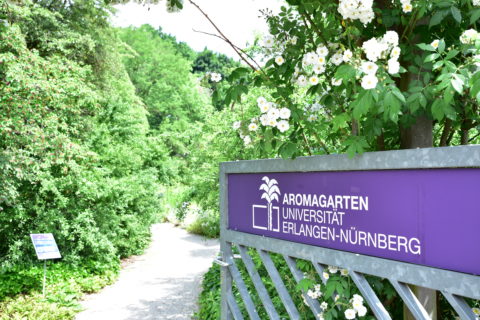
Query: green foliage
x,y
161,77
74,148
207,62
76,157
34,307
337,293
64,287
181,47
437,52
209,300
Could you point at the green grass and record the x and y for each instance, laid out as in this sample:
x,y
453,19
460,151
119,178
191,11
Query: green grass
x,y
21,290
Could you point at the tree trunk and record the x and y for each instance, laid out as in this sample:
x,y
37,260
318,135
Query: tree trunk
x,y
420,135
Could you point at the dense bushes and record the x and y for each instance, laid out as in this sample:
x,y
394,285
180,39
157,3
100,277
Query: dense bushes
x,y
76,157
73,140
85,153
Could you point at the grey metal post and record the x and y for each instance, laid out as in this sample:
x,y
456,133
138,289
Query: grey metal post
x,y
44,275
226,278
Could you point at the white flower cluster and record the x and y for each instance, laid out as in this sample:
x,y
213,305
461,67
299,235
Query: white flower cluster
x,y
476,3
279,60
275,47
312,110
314,64
357,308
333,269
316,292
215,77
272,116
357,10
469,36
375,49
268,41
476,311
407,6
246,139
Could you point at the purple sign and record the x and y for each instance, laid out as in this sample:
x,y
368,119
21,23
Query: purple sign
x,y
428,217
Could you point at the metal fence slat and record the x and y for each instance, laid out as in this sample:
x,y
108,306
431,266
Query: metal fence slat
x,y
226,286
233,307
461,307
367,292
320,268
279,285
461,284
242,288
298,275
415,307
258,283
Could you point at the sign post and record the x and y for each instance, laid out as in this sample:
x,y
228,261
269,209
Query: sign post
x,y
45,248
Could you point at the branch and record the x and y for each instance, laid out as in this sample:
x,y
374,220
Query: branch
x,y
307,144
446,132
324,146
309,34
226,40
474,137
235,48
315,27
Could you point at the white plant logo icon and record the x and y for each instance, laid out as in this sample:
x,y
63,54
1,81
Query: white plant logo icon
x,y
271,192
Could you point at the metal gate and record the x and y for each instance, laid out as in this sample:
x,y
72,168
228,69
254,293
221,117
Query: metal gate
x,y
455,286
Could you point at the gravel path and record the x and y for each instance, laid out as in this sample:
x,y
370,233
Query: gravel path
x,y
161,284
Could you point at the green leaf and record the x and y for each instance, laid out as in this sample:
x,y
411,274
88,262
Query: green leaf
x,y
415,89
426,78
441,46
450,111
339,288
431,57
334,313
330,288
438,17
438,107
398,94
457,84
426,47
474,16
340,121
452,53
362,104
392,106
437,65
423,101
448,94
345,72
413,102
456,14
475,88
287,150
304,284
355,145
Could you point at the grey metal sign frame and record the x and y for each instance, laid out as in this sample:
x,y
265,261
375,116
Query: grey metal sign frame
x,y
453,285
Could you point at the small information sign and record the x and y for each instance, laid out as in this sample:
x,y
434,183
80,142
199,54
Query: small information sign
x,y
45,246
